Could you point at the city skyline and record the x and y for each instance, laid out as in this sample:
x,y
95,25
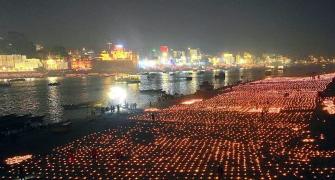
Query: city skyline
x,y
295,28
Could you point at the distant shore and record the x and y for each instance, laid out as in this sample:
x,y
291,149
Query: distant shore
x,y
291,71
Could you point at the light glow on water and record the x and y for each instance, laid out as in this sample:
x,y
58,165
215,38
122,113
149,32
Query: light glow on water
x,y
52,79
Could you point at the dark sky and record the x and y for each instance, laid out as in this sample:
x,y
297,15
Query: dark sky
x,y
293,27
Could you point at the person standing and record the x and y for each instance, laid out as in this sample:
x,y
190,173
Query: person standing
x,y
152,116
220,173
118,108
21,173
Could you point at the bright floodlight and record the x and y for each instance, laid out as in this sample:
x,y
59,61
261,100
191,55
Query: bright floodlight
x,y
117,94
119,46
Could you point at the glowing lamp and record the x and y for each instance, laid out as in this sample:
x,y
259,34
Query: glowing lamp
x,y
192,101
17,159
151,110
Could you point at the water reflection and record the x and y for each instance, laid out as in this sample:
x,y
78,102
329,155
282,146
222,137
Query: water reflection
x,y
55,110
52,79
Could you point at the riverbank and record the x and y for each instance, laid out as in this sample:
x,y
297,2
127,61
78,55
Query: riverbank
x,y
42,141
257,130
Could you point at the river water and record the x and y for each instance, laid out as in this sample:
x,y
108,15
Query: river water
x,y
36,97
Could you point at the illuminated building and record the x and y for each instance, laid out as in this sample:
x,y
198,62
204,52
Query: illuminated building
x,y
275,60
153,54
226,59
164,49
214,60
18,63
179,57
118,59
248,58
81,64
194,55
164,54
39,47
148,63
245,59
55,63
104,55
118,53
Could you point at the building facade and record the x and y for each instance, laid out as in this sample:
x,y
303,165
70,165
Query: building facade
x,y
18,63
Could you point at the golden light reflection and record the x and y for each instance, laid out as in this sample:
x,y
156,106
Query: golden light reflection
x,y
52,79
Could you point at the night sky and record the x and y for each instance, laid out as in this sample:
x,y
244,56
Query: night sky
x,y
292,27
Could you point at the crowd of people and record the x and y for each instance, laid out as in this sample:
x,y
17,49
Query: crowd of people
x,y
258,130
114,108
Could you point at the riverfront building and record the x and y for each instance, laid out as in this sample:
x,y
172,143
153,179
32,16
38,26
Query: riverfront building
x,y
18,63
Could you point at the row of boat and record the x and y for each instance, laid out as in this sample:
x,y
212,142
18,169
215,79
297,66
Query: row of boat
x,y
8,84
13,124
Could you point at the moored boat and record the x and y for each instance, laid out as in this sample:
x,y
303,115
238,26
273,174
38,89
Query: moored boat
x,y
151,91
5,85
54,84
17,80
206,86
221,75
268,72
78,106
189,78
61,127
129,79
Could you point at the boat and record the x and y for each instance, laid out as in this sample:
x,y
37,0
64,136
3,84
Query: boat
x,y
172,74
78,106
145,73
268,72
5,85
133,81
129,79
17,80
206,86
201,72
65,123
54,84
151,91
13,123
280,67
189,78
221,75
61,127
